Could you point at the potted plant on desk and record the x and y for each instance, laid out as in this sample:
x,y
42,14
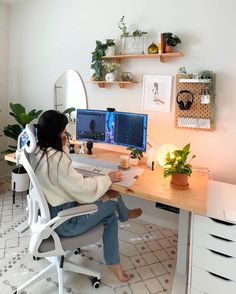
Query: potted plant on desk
x,y
178,168
135,155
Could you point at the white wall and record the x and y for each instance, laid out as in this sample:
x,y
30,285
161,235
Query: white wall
x,y
48,37
4,50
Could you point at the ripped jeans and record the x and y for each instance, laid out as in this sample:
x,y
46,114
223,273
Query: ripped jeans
x,y
108,212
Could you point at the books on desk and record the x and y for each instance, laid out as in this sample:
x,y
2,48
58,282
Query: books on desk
x,y
91,167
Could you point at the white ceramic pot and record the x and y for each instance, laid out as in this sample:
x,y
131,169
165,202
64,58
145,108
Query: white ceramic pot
x,y
133,161
19,180
110,77
110,51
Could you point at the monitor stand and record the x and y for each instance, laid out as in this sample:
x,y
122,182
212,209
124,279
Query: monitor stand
x,y
89,146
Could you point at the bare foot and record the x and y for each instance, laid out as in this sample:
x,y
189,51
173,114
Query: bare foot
x,y
117,270
134,213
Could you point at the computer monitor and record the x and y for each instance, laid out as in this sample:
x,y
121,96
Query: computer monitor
x,y
120,128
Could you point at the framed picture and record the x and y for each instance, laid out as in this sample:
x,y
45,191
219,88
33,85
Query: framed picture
x,y
157,93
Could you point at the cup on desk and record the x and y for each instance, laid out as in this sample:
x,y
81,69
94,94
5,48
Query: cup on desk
x,y
124,161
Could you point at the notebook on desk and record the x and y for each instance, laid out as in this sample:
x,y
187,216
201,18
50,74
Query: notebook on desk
x,y
97,167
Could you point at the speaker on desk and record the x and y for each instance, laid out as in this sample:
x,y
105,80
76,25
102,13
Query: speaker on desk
x,y
89,146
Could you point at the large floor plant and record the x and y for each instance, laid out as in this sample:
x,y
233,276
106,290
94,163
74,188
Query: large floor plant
x,y
22,118
20,180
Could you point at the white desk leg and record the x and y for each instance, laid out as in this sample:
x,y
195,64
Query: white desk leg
x,y
180,278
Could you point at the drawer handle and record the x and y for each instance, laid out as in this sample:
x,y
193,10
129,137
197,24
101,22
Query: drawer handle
x,y
218,276
219,253
217,237
221,222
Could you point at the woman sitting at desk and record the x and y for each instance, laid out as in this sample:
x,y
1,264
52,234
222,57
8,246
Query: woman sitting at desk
x,y
64,188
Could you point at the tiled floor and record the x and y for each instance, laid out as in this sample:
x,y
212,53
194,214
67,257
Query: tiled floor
x,y
148,255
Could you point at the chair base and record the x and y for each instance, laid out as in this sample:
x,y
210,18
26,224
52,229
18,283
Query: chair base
x,y
67,266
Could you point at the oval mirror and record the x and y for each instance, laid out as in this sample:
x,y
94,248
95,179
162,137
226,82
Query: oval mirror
x,y
70,92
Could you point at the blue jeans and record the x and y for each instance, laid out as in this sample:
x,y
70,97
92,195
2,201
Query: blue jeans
x,y
107,213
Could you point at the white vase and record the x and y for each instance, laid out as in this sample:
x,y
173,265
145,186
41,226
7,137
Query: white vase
x,y
110,77
110,51
133,161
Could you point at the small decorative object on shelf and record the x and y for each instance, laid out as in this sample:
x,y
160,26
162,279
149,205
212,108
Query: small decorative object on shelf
x,y
109,68
183,73
135,155
206,75
153,49
205,96
111,49
131,42
170,41
178,168
126,77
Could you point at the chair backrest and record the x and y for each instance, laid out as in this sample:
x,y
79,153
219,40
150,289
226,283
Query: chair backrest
x,y
37,204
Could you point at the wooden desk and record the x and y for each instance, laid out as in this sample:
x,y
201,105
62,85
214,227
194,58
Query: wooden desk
x,y
152,186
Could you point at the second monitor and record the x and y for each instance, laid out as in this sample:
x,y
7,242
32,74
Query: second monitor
x,y
120,128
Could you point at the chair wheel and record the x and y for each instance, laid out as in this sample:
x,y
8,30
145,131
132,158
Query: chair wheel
x,y
77,251
15,292
96,282
36,258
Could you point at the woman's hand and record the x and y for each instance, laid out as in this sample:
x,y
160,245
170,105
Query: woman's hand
x,y
116,176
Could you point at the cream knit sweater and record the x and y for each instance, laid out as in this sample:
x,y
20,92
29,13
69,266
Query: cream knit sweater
x,y
64,183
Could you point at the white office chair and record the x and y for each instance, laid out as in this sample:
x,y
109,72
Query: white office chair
x,y
44,241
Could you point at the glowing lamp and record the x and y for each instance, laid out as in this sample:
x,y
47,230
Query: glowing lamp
x,y
162,151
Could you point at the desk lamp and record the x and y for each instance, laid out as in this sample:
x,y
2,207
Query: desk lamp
x,y
162,151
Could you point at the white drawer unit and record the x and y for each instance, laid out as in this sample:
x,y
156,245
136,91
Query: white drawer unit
x,y
215,243
213,261
210,283
215,227
213,256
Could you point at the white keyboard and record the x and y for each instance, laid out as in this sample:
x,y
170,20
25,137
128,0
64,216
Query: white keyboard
x,y
91,168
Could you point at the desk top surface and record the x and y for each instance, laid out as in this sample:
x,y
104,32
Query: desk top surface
x,y
151,185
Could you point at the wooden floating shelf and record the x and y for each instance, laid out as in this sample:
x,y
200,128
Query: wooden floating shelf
x,y
103,84
205,81
161,56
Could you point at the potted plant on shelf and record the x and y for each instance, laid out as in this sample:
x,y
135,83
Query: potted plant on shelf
x,y
135,155
131,42
109,68
97,55
178,168
20,180
170,41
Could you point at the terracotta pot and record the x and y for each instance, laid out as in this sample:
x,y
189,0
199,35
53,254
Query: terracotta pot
x,y
168,49
179,182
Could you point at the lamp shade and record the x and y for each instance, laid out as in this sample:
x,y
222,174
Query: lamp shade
x,y
163,150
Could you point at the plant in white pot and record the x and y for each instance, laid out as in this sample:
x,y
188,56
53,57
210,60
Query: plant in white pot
x,y
135,155
20,180
109,68
178,168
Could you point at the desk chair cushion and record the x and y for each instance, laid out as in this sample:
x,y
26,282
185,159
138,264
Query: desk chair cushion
x,y
70,243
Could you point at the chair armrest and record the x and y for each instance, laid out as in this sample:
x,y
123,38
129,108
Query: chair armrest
x,y
78,210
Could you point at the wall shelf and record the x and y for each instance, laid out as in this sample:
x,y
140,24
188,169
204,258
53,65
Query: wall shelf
x,y
103,84
161,56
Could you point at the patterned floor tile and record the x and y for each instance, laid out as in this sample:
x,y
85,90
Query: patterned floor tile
x,y
148,264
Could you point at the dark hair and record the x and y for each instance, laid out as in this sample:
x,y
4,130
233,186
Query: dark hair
x,y
50,125
49,128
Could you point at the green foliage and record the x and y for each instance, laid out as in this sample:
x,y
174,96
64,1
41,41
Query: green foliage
x,y
97,54
176,162
22,118
135,153
182,70
171,40
68,112
206,74
122,26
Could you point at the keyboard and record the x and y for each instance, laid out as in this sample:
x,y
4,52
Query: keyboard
x,y
91,168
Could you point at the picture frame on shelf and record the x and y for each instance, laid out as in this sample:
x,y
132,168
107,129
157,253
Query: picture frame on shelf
x,y
156,95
